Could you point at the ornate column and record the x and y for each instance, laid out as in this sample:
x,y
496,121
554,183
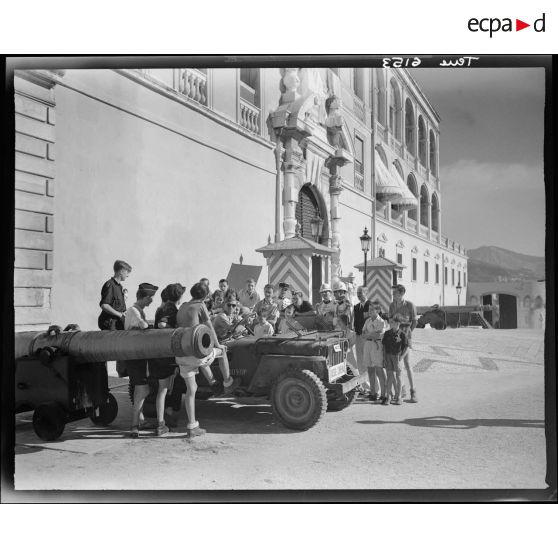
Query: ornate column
x,y
335,189
293,167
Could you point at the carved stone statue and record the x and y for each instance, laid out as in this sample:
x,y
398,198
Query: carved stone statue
x,y
334,122
311,83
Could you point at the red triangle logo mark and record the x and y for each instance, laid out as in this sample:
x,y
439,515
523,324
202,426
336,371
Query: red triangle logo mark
x,y
519,25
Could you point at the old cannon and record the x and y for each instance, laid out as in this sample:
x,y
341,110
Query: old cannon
x,y
62,376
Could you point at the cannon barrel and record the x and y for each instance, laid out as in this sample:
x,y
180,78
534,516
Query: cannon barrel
x,y
101,346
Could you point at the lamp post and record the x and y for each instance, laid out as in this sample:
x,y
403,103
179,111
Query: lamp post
x,y
365,245
316,224
458,289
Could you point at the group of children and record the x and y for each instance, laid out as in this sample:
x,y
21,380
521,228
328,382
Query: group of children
x,y
227,312
383,349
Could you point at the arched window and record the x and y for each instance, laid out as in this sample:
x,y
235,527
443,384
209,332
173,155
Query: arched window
x,y
435,213
380,97
410,127
413,186
424,205
306,209
527,302
433,154
395,109
423,147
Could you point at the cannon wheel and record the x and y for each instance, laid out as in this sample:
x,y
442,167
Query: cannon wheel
x,y
49,420
106,413
345,400
298,399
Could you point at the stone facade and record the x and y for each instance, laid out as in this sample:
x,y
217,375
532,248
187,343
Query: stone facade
x,y
179,171
35,159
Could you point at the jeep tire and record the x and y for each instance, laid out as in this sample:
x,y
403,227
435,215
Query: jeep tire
x,y
298,399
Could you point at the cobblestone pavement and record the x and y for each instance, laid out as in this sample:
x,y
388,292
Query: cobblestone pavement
x,y
479,423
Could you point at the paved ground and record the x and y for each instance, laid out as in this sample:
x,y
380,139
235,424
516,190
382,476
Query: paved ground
x,y
479,424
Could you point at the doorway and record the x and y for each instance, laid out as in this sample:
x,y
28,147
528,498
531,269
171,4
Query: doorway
x,y
508,311
316,279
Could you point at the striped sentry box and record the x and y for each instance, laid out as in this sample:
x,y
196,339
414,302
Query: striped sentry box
x,y
379,286
291,268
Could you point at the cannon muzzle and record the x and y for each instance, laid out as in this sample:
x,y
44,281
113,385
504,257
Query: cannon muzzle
x,y
101,346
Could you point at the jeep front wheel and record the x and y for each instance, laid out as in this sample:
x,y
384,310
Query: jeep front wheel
x,y
298,399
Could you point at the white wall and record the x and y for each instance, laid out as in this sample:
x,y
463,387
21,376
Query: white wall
x,y
133,189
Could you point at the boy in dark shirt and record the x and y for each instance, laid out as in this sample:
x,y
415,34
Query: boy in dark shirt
x,y
113,302
163,368
395,344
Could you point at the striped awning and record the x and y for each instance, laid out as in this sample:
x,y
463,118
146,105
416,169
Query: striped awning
x,y
407,199
387,188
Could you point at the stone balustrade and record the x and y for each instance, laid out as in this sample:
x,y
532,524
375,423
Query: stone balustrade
x,y
193,84
249,116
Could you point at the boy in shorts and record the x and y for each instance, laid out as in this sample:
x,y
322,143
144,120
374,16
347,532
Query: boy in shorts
x,y
191,314
373,352
134,318
395,345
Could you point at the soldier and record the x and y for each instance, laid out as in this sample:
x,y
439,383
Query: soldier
x,y
327,308
344,306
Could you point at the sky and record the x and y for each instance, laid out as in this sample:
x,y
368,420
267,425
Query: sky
x,y
491,154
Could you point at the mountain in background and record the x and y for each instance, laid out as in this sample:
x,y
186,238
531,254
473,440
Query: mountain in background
x,y
488,263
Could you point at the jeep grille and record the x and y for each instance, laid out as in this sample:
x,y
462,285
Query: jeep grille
x,y
336,357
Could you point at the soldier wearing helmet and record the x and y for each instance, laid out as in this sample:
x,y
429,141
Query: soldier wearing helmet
x,y
344,305
327,308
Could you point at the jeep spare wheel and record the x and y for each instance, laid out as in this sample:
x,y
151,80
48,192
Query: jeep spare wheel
x,y
298,399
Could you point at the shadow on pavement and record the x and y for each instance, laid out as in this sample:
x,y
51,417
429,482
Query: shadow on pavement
x,y
246,415
460,424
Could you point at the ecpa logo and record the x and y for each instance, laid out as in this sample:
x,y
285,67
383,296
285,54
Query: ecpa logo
x,y
494,24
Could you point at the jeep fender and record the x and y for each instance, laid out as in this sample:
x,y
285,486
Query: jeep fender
x,y
271,366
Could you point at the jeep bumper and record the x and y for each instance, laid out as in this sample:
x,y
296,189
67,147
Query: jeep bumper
x,y
340,388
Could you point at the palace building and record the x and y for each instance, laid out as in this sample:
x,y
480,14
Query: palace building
x,y
181,172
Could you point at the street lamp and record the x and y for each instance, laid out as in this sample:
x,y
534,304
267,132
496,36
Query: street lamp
x,y
316,224
458,289
365,245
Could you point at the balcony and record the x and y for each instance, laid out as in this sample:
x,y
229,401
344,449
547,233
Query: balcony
x,y
193,84
435,236
423,230
397,218
411,224
249,116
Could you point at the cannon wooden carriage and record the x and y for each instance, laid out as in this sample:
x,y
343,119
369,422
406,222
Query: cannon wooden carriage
x,y
62,376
